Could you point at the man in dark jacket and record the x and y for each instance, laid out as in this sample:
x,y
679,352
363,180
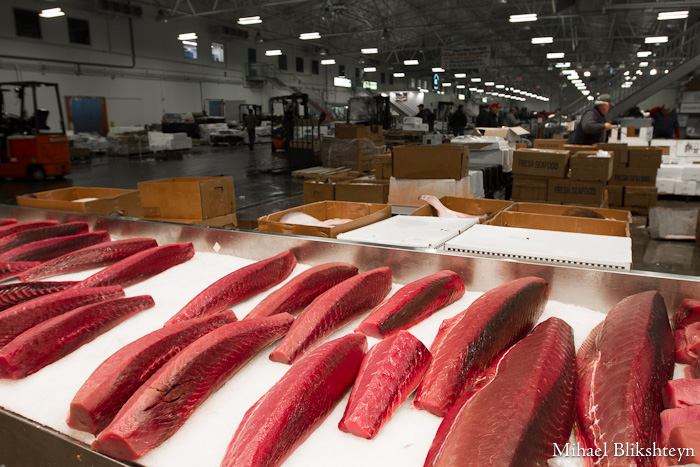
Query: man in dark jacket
x,y
488,118
427,116
593,128
665,122
459,121
250,122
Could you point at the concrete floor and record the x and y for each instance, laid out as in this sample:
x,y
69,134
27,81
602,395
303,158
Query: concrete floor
x,y
263,185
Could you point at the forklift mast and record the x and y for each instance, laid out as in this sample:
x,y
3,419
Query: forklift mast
x,y
371,110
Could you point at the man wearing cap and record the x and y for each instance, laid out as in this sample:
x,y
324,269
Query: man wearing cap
x,y
490,118
593,128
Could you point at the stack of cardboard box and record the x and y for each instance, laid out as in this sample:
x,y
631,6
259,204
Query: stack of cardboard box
x,y
633,185
354,146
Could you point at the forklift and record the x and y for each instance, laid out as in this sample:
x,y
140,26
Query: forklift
x,y
28,147
283,119
371,110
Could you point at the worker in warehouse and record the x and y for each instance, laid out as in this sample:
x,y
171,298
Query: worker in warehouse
x,y
458,121
511,119
593,128
665,122
251,121
488,118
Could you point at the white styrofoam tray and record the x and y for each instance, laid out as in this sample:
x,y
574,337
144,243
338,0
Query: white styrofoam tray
x,y
545,246
410,231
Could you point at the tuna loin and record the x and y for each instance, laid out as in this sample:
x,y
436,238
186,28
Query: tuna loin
x,y
51,248
95,256
686,437
680,393
14,294
390,372
686,322
14,321
140,266
673,417
623,366
303,289
13,228
164,403
528,407
34,235
296,405
688,312
4,222
467,346
238,286
57,337
10,269
413,303
331,310
118,377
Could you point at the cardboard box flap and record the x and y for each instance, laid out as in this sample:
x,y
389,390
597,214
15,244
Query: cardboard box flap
x,y
475,207
507,133
584,225
85,199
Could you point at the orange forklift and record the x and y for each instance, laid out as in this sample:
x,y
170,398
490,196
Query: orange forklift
x,y
29,148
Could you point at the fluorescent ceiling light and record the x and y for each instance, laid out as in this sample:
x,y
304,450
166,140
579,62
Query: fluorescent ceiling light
x,y
542,40
653,72
523,18
479,90
473,89
461,97
309,35
656,40
399,75
410,62
644,54
372,50
640,72
568,72
476,80
577,81
438,70
489,83
188,36
249,20
500,86
189,43
563,65
369,69
272,53
590,98
666,15
460,86
328,61
643,64
554,55
51,13
627,73
447,85
587,74
586,92
461,75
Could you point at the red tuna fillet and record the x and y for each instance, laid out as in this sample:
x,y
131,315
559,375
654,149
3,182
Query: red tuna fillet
x,y
527,408
331,310
95,256
687,438
51,248
413,303
10,269
118,377
688,312
12,228
14,294
623,366
164,403
680,393
687,343
303,289
140,266
672,417
14,321
390,372
238,286
53,339
34,235
296,405
495,321
4,222
693,371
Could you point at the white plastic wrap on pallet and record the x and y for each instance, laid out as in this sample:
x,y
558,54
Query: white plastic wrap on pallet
x,y
545,246
410,231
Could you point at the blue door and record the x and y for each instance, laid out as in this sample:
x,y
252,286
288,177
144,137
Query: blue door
x,y
87,115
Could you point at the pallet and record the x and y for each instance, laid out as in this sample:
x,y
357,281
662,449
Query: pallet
x,y
319,172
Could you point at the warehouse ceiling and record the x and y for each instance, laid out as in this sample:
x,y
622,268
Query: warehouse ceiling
x,y
599,36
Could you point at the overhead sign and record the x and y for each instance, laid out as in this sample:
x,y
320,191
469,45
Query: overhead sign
x,y
436,81
474,56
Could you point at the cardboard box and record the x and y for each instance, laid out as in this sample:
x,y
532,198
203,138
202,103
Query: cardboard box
x,y
591,167
357,154
529,189
188,197
585,193
475,207
566,210
633,176
86,200
619,151
405,191
541,163
576,148
363,191
438,162
665,150
615,195
526,220
321,190
228,221
508,133
383,166
432,139
554,144
361,214
346,131
645,158
640,196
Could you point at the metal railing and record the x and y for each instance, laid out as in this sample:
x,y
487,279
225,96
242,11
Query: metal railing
x,y
666,57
